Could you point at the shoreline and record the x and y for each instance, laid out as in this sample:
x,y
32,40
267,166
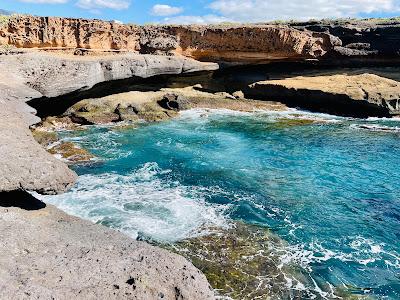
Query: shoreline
x,y
65,250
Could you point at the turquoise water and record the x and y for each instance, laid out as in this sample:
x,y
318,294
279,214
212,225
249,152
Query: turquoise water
x,y
329,188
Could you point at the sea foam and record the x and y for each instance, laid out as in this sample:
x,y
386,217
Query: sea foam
x,y
142,204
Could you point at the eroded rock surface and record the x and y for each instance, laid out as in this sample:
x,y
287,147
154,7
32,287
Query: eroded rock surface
x,y
230,43
56,256
215,43
355,95
24,164
157,106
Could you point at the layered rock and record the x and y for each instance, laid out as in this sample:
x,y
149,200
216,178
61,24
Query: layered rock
x,y
47,254
378,39
213,43
239,43
354,95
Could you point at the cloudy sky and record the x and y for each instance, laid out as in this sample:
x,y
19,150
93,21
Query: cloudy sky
x,y
204,11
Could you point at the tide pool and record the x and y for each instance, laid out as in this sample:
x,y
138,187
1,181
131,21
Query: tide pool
x,y
328,186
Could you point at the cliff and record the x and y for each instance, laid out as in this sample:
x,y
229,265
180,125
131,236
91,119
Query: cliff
x,y
377,39
231,43
24,164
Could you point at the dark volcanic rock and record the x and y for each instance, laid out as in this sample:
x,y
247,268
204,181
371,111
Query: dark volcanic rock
x,y
375,38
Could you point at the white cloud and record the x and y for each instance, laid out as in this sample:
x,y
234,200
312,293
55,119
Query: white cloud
x,y
165,10
45,1
267,10
95,5
207,19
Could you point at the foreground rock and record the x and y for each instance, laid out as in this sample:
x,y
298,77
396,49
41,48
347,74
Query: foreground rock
x,y
56,256
352,95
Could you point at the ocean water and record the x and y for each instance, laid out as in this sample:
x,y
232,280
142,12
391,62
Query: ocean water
x,y
328,186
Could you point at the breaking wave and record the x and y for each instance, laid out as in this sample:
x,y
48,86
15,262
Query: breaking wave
x,y
143,204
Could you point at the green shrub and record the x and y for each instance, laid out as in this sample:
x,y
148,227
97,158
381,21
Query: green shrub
x,y
4,20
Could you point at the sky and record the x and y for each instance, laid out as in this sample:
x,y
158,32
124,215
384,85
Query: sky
x,y
204,11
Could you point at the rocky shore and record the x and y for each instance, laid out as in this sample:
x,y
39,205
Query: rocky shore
x,y
48,253
56,256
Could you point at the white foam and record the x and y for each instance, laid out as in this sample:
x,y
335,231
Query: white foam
x,y
202,116
142,203
374,127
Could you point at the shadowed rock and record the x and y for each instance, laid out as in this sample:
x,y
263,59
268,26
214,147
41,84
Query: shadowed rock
x,y
360,95
20,199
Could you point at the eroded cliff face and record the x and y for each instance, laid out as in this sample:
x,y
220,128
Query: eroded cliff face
x,y
237,43
43,32
231,43
212,43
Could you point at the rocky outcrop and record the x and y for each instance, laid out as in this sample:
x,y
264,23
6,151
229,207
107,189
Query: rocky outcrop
x,y
256,43
353,95
376,38
213,43
24,164
240,44
54,75
157,106
47,254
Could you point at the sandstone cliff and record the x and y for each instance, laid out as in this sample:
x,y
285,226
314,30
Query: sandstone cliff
x,y
231,43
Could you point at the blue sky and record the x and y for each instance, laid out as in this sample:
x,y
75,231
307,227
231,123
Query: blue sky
x,y
204,11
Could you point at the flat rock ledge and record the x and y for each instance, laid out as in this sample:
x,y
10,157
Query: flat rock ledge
x,y
47,254
360,95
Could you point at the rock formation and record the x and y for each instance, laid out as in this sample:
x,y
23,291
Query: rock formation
x,y
360,38
323,40
156,106
56,256
354,95
25,165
